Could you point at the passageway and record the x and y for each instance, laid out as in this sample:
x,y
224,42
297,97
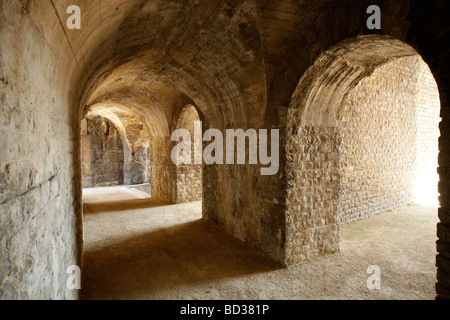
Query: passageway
x,y
146,249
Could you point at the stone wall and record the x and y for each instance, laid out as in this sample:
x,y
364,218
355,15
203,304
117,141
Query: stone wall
x,y
138,164
163,171
312,226
102,154
388,129
189,176
247,205
427,142
39,210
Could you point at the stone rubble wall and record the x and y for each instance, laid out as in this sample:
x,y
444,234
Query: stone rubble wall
x,y
247,205
138,164
189,176
312,226
163,171
102,155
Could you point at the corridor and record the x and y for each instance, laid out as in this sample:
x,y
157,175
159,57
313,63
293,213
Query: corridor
x,y
140,248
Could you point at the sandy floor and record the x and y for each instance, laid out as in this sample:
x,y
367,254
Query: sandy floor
x,y
138,248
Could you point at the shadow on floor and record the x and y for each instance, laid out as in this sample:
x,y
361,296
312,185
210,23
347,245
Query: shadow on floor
x,y
122,205
141,266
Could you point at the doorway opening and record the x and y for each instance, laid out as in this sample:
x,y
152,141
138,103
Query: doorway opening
x,y
389,129
115,154
388,198
363,131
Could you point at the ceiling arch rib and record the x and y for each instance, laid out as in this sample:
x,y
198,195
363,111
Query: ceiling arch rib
x,y
152,117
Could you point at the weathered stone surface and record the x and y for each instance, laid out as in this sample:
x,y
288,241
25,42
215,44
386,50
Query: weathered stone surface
x,y
189,176
134,137
312,222
102,155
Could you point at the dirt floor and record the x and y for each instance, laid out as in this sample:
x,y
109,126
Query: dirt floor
x,y
138,248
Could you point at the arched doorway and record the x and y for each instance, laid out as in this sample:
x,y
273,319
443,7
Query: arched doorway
x,y
327,136
115,149
389,129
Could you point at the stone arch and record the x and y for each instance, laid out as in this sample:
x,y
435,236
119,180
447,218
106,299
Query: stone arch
x,y
135,136
336,72
158,108
313,140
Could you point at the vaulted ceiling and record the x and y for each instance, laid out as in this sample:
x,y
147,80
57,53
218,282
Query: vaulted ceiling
x,y
223,55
